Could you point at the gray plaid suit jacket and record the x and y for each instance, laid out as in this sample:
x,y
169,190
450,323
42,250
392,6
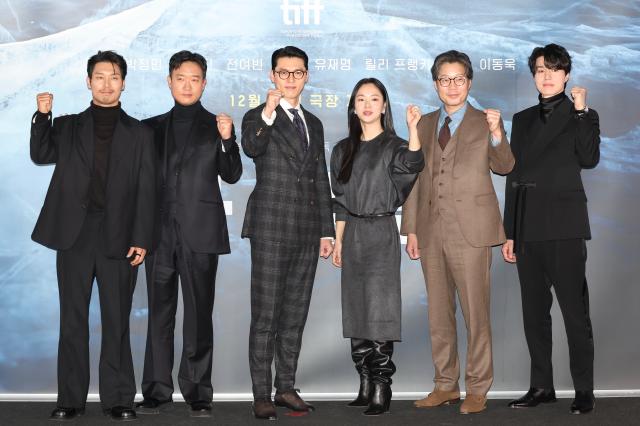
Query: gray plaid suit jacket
x,y
291,202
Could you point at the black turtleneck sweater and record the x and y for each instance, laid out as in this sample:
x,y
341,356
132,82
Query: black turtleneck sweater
x,y
104,125
547,105
182,119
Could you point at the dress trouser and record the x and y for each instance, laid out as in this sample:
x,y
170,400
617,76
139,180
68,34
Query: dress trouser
x,y
281,283
77,267
197,272
451,265
561,264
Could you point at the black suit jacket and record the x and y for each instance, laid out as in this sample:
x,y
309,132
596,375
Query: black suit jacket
x,y
68,142
291,202
552,156
200,211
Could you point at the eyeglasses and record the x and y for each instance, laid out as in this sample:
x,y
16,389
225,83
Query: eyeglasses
x,y
284,74
459,80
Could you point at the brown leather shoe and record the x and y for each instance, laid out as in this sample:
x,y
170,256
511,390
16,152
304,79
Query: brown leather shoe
x,y
438,398
473,404
264,409
291,400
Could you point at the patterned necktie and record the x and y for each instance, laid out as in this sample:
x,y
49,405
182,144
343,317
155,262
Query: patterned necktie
x,y
445,133
299,125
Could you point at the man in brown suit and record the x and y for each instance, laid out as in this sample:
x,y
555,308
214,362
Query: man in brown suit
x,y
452,219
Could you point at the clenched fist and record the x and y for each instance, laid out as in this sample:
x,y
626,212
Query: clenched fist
x,y
413,116
273,100
579,95
225,124
45,102
493,120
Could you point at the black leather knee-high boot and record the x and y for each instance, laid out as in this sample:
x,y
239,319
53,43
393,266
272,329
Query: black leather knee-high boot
x,y
361,351
381,368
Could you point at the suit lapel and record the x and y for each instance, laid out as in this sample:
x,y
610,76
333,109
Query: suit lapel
x,y
315,139
556,124
429,132
201,131
84,131
120,146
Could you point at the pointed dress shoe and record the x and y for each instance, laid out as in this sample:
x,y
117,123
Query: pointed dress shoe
x,y
63,414
264,409
292,401
200,409
438,398
150,406
534,397
583,403
121,414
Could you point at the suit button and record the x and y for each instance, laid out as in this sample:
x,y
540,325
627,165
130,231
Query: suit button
x,y
439,196
441,171
442,158
440,184
311,202
295,200
311,180
84,206
177,172
298,179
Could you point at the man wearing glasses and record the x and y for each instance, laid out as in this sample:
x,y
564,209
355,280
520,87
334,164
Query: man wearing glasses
x,y
288,221
452,219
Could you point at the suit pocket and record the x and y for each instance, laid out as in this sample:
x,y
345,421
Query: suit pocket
x,y
486,199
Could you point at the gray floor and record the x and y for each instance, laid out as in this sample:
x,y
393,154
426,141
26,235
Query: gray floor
x,y
609,411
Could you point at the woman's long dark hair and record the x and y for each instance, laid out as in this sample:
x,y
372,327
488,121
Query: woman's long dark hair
x,y
355,128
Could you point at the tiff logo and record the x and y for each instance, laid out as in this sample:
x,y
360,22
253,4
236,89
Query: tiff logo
x,y
305,9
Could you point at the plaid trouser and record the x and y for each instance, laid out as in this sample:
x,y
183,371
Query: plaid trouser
x,y
281,283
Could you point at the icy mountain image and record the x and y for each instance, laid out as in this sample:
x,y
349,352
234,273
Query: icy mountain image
x,y
47,51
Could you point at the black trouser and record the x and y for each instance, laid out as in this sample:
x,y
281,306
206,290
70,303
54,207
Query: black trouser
x,y
77,267
281,284
197,272
561,264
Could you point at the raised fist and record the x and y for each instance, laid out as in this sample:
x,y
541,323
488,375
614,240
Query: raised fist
x,y
413,116
225,124
579,95
273,100
45,102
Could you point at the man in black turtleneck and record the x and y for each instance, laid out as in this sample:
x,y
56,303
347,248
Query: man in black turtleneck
x,y
98,215
546,223
193,147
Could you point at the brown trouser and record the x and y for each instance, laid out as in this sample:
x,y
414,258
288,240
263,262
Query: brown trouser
x,y
450,264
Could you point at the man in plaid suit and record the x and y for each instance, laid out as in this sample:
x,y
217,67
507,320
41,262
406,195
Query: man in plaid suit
x,y
289,222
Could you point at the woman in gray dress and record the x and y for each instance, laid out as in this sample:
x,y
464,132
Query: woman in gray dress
x,y
372,173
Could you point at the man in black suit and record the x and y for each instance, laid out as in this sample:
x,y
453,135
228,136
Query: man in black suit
x,y
288,221
193,148
546,223
98,215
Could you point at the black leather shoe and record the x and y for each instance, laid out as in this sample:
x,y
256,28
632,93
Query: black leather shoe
x,y
534,397
200,409
292,401
62,414
122,414
380,400
150,406
264,409
583,403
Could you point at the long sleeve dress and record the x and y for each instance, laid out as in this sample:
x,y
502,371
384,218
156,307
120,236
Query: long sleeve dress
x,y
384,171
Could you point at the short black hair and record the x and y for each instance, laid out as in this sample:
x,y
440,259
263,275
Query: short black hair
x,y
182,56
450,57
107,56
555,57
289,52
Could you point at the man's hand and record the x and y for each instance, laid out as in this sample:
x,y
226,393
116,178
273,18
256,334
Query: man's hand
x,y
493,120
507,252
225,124
412,247
337,254
579,95
413,116
45,102
138,255
273,100
325,247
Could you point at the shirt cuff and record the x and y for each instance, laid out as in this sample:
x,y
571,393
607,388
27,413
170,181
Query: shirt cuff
x,y
226,144
40,117
269,120
494,141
